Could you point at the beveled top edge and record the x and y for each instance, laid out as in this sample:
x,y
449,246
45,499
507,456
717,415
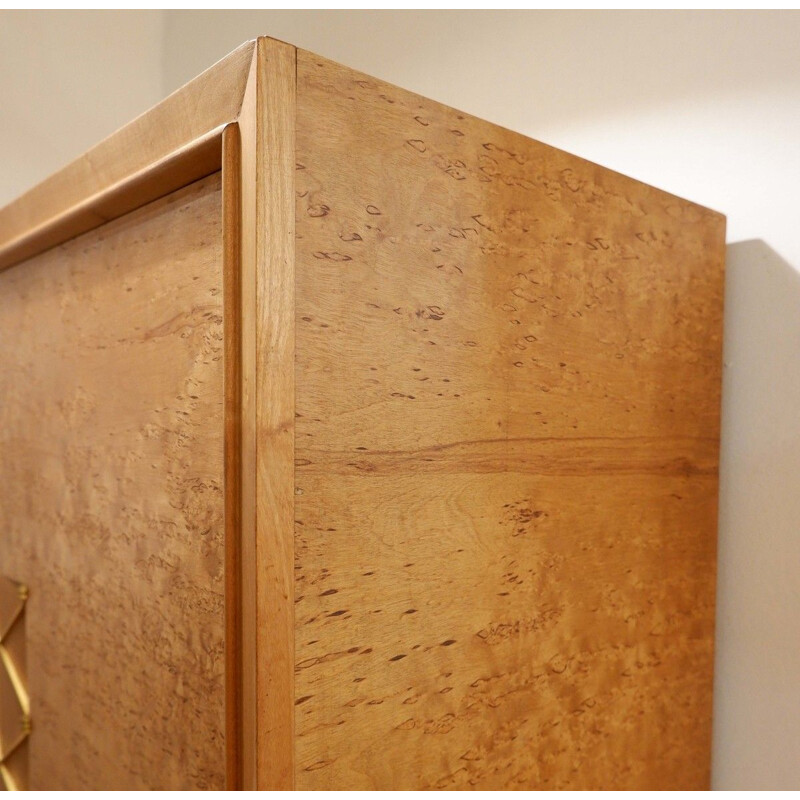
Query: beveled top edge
x,y
70,201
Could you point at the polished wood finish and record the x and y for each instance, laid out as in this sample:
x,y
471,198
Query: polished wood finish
x,y
266,223
508,370
112,364
458,429
234,469
272,214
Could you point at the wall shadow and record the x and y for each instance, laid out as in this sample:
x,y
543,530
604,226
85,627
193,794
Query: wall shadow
x,y
757,682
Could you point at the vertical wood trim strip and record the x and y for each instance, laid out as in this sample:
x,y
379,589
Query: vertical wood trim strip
x,y
231,244
275,408
267,123
247,575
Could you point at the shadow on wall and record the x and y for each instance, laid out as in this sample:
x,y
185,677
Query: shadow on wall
x,y
757,688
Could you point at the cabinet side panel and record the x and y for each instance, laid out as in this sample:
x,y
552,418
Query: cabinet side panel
x,y
111,429
507,381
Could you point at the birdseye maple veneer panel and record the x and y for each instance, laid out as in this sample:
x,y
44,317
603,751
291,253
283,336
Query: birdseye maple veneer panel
x,y
508,369
111,433
461,431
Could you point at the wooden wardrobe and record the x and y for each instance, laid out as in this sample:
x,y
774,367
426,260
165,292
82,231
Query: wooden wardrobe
x,y
351,442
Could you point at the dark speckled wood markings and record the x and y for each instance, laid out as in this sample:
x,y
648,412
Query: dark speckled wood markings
x,y
508,366
120,533
386,459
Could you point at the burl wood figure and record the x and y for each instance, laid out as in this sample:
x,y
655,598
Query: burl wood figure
x,y
352,442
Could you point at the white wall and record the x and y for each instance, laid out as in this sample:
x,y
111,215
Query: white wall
x,y
702,104
757,688
68,79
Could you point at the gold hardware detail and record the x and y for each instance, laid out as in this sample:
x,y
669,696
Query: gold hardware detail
x,y
20,692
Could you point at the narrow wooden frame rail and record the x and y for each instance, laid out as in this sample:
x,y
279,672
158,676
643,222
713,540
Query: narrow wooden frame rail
x,y
237,117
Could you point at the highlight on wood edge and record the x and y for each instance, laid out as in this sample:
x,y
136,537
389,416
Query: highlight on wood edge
x,y
14,693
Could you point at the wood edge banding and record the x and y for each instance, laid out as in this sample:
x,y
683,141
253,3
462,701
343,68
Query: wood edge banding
x,y
274,226
266,166
231,277
258,156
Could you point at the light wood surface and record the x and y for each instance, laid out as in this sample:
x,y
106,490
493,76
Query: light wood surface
x,y
265,136
111,426
271,217
508,370
225,118
232,362
385,459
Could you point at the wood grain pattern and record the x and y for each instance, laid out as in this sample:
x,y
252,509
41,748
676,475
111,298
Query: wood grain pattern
x,y
507,382
399,437
232,361
239,115
173,144
271,217
112,382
